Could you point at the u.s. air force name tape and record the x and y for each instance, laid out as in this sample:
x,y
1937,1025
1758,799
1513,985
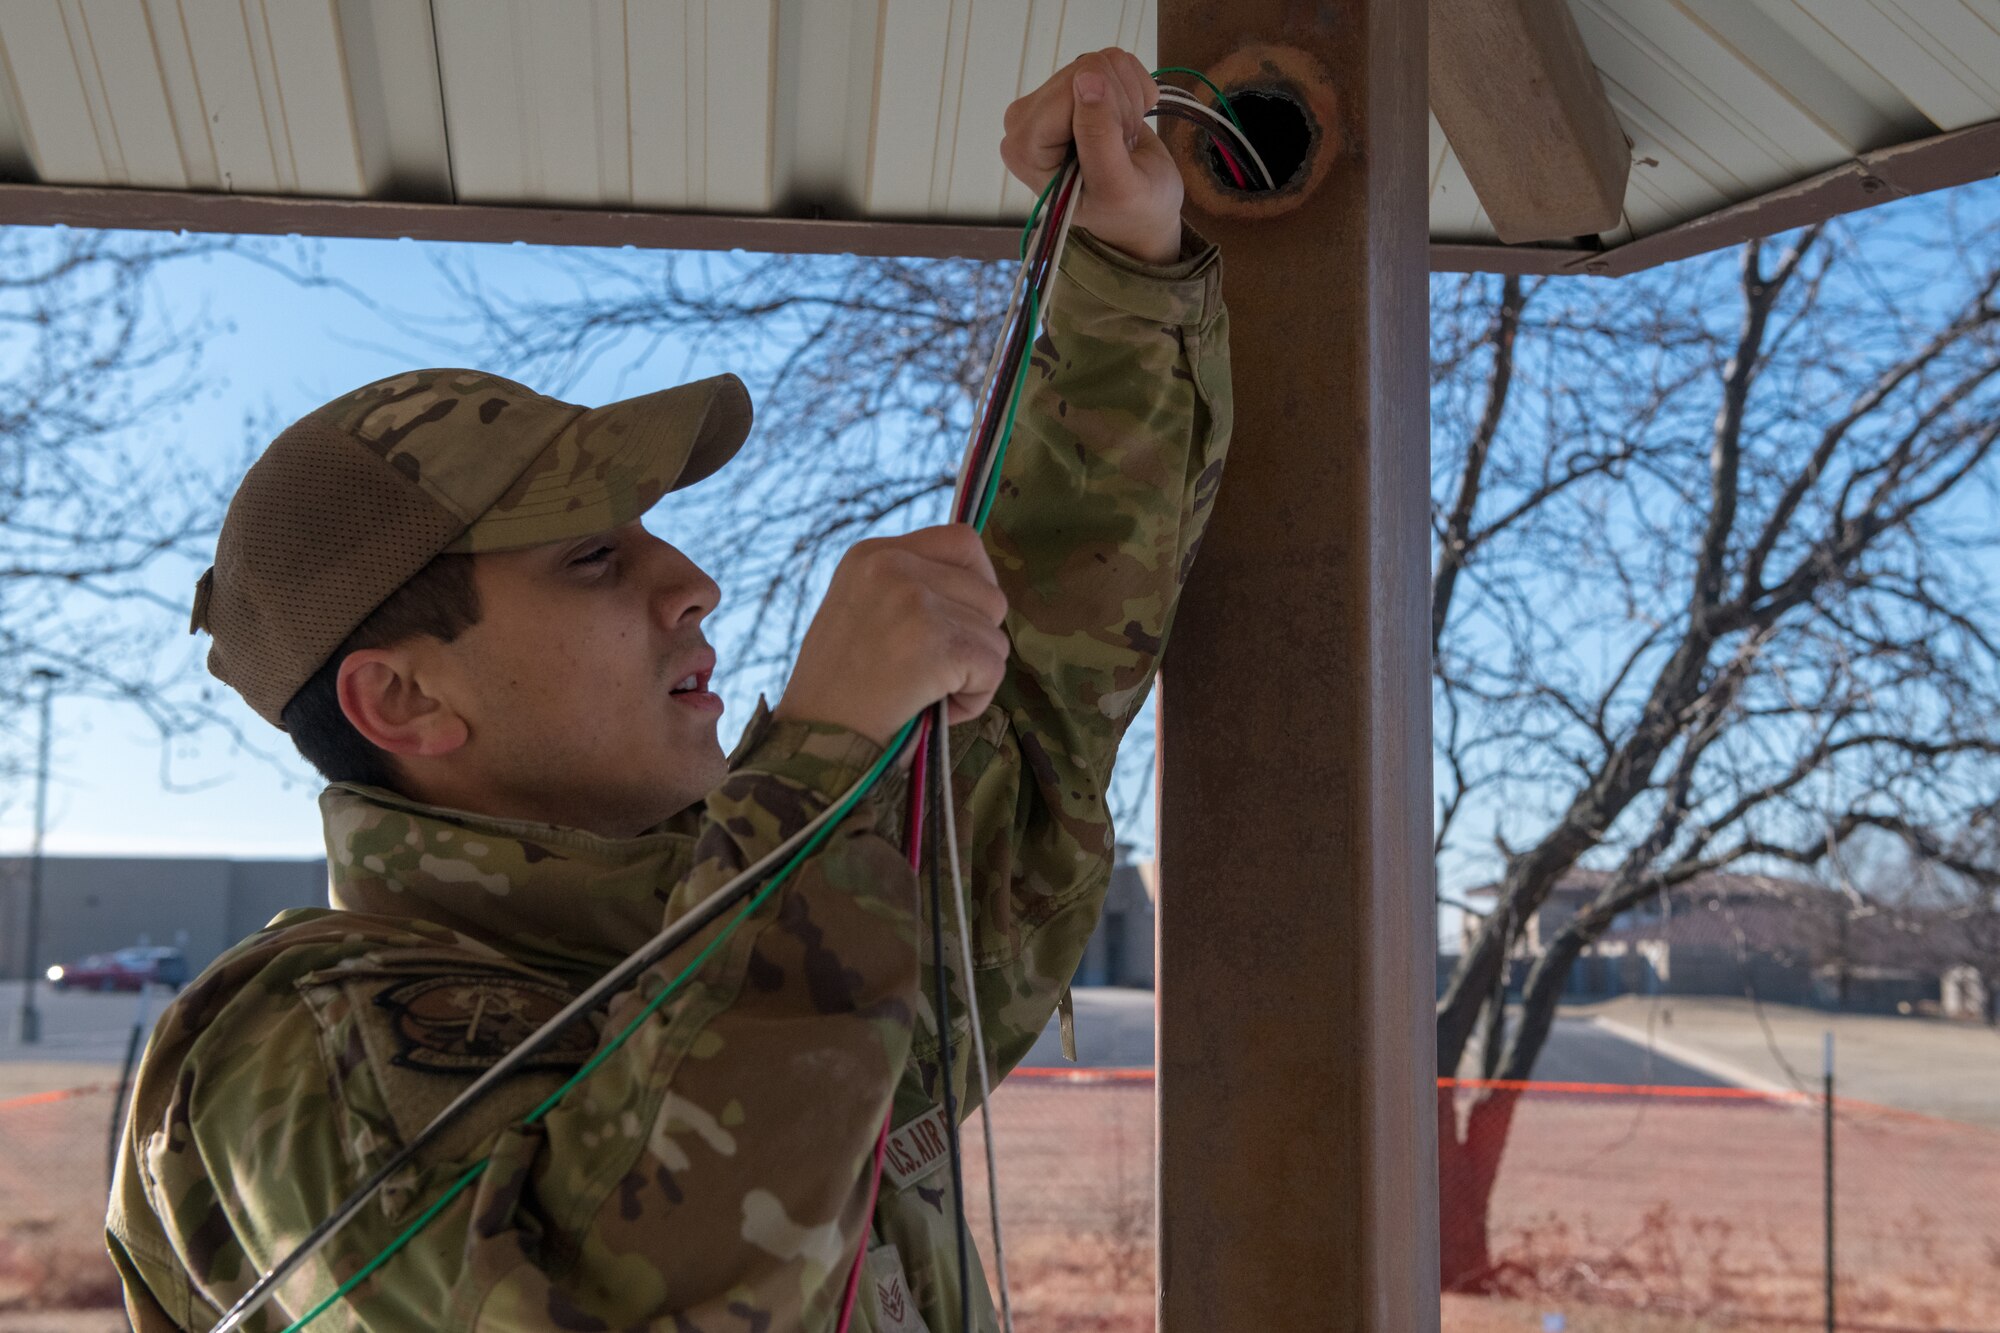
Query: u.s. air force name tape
x,y
917,1149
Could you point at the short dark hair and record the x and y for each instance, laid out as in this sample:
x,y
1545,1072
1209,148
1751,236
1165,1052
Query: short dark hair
x,y
441,601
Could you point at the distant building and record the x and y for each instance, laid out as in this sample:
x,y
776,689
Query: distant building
x,y
1120,952
1778,939
201,905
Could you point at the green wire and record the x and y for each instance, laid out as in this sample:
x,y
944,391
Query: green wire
x,y
1227,109
457,1188
861,789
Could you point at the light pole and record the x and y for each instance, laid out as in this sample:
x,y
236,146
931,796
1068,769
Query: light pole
x,y
31,1021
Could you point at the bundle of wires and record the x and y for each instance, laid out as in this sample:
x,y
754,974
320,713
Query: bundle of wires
x,y
923,739
1223,130
1042,242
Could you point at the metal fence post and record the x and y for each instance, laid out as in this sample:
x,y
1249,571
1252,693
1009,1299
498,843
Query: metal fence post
x,y
31,1018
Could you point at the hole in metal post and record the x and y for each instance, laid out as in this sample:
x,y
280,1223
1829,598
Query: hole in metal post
x,y
1289,111
1277,128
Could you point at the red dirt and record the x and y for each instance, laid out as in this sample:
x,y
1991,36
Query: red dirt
x,y
52,1192
1622,1214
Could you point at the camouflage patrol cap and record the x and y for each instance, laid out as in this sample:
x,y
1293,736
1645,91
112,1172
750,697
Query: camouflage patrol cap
x,y
355,498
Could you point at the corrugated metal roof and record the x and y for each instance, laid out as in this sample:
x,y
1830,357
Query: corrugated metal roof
x,y
857,108
867,108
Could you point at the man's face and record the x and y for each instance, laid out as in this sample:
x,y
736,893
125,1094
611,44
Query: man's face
x,y
575,685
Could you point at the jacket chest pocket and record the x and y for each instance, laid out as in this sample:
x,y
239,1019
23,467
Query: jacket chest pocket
x,y
403,1041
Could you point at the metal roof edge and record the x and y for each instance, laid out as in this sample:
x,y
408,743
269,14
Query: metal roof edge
x,y
1900,171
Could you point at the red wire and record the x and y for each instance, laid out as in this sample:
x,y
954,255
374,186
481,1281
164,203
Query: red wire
x,y
1229,160
874,1189
913,830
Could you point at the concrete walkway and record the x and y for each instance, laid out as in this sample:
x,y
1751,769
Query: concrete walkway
x,y
1591,1050
1929,1065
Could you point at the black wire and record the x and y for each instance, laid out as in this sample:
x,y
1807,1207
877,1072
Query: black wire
x,y
1040,278
994,410
941,998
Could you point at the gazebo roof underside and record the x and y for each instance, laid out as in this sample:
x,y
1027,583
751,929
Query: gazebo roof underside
x,y
871,125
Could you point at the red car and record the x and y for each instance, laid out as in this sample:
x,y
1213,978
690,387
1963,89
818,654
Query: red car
x,y
127,969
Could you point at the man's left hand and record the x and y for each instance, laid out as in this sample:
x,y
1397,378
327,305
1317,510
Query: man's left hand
x,y
1131,186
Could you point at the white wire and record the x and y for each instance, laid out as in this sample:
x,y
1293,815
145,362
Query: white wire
x,y
1055,259
961,906
1181,99
945,799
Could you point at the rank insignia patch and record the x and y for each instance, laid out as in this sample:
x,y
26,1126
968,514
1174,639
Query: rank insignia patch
x,y
464,1022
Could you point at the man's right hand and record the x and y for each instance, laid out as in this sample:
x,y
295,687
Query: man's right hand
x,y
906,622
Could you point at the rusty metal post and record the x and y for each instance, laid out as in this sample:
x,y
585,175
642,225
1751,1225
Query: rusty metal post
x,y
1298,1185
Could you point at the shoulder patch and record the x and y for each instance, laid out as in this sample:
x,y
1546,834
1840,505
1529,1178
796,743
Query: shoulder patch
x,y
462,1023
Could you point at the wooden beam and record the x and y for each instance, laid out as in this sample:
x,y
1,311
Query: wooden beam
x,y
1298,1157
1899,171
286,215
1940,162
1521,103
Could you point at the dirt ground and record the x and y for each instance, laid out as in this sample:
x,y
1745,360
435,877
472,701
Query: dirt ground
x,y
1482,1314
64,1321
52,1191
1713,1208
1618,1214
1612,1215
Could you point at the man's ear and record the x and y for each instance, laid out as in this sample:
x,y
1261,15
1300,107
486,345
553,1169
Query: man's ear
x,y
379,693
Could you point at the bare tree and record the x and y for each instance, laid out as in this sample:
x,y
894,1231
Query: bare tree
x,y
1710,591
96,500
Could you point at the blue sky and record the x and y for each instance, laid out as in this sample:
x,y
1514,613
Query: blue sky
x,y
275,351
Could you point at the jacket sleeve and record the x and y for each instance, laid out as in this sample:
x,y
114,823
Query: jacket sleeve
x,y
1116,458
712,1172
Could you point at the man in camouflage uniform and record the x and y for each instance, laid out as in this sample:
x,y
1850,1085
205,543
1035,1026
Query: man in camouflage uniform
x,y
555,793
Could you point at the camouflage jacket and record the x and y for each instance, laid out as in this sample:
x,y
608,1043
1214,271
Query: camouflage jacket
x,y
714,1172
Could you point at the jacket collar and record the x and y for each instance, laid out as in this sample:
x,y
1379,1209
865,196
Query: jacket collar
x,y
557,899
